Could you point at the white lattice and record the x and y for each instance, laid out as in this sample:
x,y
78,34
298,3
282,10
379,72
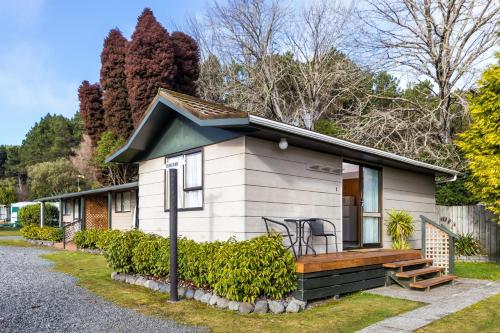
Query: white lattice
x,y
437,247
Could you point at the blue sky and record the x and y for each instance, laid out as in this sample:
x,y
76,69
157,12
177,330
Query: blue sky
x,y
47,47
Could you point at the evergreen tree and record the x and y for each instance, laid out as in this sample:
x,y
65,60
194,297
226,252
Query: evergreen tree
x,y
187,61
149,63
91,110
481,142
117,113
53,137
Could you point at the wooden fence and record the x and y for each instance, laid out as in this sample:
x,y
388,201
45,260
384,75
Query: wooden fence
x,y
475,220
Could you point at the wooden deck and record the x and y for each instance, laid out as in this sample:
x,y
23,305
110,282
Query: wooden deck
x,y
349,259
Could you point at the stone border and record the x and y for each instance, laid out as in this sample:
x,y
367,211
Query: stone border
x,y
40,242
290,304
60,245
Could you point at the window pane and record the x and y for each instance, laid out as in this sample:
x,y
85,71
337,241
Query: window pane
x,y
180,188
193,170
193,199
126,201
118,202
76,208
370,230
370,190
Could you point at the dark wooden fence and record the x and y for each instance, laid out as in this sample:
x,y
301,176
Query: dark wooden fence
x,y
476,220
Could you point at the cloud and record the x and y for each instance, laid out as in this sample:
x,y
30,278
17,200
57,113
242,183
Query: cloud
x,y
24,11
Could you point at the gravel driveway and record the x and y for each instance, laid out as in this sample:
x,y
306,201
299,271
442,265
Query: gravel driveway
x,y
34,299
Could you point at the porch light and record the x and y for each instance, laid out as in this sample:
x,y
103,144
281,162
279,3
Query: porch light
x,y
283,144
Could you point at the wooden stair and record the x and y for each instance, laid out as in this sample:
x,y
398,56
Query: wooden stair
x,y
416,273
428,283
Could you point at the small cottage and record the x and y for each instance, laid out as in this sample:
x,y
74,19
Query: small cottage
x,y
238,168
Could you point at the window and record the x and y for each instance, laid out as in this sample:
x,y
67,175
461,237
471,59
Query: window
x,y
76,208
189,181
67,207
122,202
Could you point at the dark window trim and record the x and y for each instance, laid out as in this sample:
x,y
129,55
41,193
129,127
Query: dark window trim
x,y
122,210
197,188
67,203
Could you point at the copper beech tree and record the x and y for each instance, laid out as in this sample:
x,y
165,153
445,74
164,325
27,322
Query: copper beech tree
x,y
149,63
91,109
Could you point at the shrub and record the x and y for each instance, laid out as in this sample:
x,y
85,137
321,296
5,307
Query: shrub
x,y
87,239
400,227
239,271
42,233
30,215
467,245
242,271
106,237
196,261
120,249
152,257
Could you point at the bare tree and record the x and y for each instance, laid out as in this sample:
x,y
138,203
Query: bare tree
x,y
443,40
322,75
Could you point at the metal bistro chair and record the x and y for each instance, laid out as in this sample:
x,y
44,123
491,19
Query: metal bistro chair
x,y
288,234
317,228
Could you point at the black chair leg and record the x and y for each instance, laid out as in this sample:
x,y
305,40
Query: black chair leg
x,y
307,244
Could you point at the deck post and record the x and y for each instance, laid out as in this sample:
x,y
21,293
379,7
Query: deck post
x,y
110,209
172,181
82,213
42,213
137,208
61,203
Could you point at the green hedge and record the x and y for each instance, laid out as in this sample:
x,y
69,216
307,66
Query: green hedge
x,y
42,233
95,238
30,215
240,271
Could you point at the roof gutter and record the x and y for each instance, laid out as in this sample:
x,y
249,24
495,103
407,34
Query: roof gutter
x,y
454,178
345,144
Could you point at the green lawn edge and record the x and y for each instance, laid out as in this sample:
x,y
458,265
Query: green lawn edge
x,y
349,314
478,270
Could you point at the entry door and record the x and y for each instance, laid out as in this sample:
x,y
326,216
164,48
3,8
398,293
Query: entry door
x,y
370,206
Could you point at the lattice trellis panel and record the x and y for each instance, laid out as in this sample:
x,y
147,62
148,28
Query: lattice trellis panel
x,y
437,247
96,213
70,229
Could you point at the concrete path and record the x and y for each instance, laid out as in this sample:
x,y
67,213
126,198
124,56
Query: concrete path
x,y
442,301
11,237
35,299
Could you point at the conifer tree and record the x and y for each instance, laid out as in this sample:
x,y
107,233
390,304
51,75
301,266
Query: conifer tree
x,y
149,63
187,61
91,110
117,113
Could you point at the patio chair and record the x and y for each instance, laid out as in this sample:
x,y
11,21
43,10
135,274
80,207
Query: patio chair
x,y
269,222
317,228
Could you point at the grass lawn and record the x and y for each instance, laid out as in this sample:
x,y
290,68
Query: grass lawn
x,y
15,242
9,231
478,270
483,316
346,315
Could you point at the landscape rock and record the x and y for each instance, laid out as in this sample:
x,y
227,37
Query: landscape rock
x,y
114,275
206,298
141,281
245,307
130,279
260,307
164,287
189,293
233,305
302,304
198,294
151,284
276,307
213,300
293,307
222,303
181,291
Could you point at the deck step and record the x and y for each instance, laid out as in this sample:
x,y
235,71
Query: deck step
x,y
418,272
406,263
432,282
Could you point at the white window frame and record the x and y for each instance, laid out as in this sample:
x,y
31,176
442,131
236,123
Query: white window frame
x,y
183,189
121,209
